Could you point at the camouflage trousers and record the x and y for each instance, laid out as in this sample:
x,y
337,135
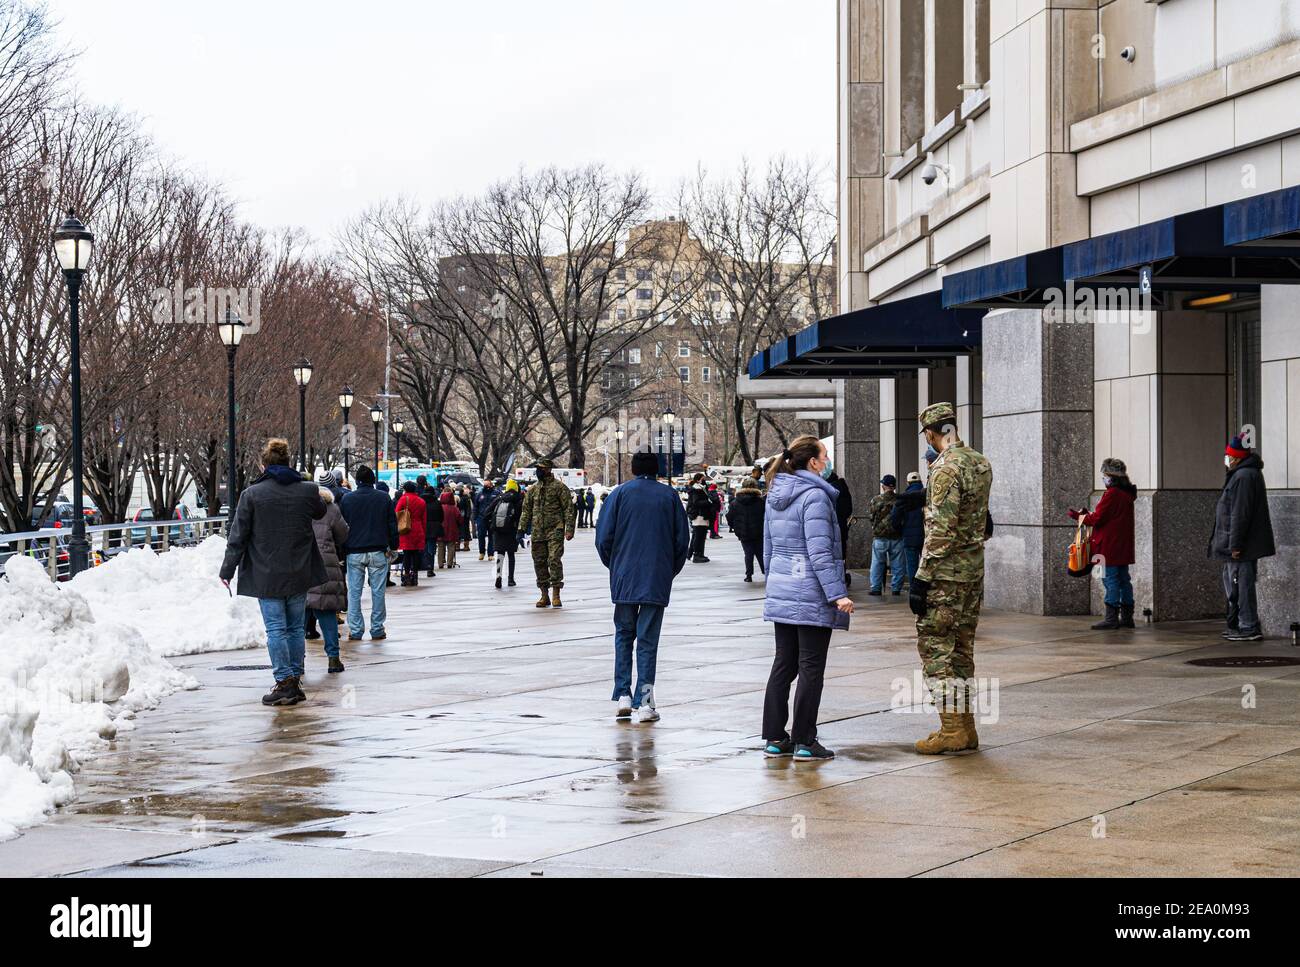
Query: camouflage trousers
x,y
945,639
548,558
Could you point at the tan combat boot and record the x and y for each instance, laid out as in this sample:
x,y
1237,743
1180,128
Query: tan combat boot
x,y
545,600
951,736
555,598
972,737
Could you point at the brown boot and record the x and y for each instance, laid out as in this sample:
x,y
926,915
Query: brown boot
x,y
555,598
545,600
972,737
951,736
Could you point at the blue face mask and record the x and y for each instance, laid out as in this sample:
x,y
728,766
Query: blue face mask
x,y
827,471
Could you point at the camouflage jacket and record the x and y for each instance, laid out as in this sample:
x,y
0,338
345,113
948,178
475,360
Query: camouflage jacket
x,y
548,506
956,513
880,509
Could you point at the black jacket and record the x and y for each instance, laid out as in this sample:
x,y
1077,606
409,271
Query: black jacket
x,y
746,513
271,542
908,515
1241,518
843,503
372,521
509,498
699,503
432,515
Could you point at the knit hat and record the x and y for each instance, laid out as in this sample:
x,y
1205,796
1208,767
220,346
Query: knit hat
x,y
1114,467
889,480
325,477
1237,447
512,484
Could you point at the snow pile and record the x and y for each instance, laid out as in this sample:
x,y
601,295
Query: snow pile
x,y
68,684
175,600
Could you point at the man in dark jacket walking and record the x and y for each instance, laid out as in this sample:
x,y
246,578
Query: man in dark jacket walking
x,y
273,547
481,501
1243,533
372,533
745,518
643,538
432,523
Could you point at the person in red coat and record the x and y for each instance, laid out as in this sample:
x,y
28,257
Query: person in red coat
x,y
451,529
411,543
1112,540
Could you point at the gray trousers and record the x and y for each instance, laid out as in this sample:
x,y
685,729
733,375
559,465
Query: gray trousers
x,y
1239,589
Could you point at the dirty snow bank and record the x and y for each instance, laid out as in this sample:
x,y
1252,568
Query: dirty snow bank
x,y
175,600
69,683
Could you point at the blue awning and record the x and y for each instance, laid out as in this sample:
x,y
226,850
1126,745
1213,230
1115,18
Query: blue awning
x,y
1268,220
1018,282
881,340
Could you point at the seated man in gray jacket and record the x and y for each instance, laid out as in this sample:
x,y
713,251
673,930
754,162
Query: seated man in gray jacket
x,y
273,546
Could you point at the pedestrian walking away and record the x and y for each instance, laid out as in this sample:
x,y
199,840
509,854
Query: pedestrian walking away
x,y
372,535
1113,542
482,500
886,539
1242,537
432,524
700,509
745,518
643,538
325,600
272,545
806,596
503,518
465,504
949,585
550,513
411,511
452,523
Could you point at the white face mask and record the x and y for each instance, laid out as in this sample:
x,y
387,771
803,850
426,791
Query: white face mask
x,y
1107,481
1227,461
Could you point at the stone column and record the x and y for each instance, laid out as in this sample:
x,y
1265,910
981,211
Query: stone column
x,y
1037,404
861,143
861,467
933,385
970,401
1279,446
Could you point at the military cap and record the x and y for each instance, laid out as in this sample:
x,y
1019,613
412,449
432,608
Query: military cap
x,y
545,464
937,414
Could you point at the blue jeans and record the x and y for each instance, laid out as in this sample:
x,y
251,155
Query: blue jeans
x,y
912,557
639,622
283,618
1119,589
429,560
486,541
328,623
891,550
372,564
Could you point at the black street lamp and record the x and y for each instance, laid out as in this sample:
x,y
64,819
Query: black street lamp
x,y
231,330
398,426
618,449
72,247
302,376
376,417
345,404
669,419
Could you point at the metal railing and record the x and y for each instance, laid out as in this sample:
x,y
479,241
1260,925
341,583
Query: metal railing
x,y
50,545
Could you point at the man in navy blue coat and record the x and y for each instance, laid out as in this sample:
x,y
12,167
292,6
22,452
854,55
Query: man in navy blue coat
x,y
643,538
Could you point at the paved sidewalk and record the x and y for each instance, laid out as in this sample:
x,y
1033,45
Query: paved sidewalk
x,y
479,740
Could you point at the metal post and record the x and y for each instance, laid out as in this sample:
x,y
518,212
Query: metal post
x,y
397,465
230,430
347,453
78,546
376,450
302,427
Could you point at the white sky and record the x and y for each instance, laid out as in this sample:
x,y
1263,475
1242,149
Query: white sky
x,y
309,111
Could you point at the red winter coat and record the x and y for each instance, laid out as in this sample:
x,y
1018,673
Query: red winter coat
x,y
451,519
412,540
1112,525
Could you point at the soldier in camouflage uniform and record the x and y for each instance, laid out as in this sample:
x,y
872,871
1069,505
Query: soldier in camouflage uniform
x,y
949,583
549,509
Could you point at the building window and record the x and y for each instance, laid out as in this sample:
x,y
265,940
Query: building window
x,y
621,315
684,351
645,295
704,374
634,355
684,374
659,350
633,382
642,274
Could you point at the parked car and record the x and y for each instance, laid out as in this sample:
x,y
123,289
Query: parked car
x,y
179,533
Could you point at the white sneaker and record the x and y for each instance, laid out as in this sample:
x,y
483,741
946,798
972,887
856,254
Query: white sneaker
x,y
647,713
624,708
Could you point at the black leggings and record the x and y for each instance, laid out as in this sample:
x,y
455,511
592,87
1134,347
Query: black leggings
x,y
698,537
800,652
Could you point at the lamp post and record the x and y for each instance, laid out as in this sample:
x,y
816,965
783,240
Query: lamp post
x,y
73,244
669,419
398,426
302,376
345,404
231,330
376,417
618,449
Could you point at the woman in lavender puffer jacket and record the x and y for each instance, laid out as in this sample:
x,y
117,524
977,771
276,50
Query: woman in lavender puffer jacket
x,y
806,596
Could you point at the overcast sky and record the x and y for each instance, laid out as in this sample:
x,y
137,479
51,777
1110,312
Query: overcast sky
x,y
309,111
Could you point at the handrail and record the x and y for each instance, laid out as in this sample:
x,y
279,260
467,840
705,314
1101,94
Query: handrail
x,y
45,542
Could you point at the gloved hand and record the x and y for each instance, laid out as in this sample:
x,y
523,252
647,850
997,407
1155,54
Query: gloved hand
x,y
916,597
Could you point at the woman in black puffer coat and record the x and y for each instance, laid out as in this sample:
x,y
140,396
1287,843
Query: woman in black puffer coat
x,y
326,600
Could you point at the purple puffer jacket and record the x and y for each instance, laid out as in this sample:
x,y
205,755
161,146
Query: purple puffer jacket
x,y
801,552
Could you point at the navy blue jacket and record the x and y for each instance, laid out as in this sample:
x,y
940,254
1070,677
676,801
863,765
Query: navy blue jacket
x,y
372,521
643,538
909,516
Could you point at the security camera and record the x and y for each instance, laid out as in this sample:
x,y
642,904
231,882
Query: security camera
x,y
929,173
1128,54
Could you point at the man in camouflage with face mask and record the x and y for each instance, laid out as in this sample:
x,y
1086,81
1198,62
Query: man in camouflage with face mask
x,y
550,511
949,583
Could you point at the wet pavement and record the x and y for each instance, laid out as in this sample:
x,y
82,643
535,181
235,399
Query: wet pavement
x,y
478,739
